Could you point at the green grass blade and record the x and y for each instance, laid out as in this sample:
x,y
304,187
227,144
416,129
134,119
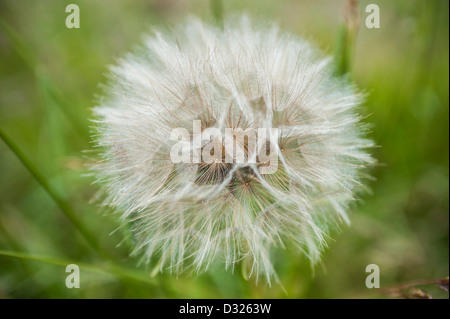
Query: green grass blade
x,y
345,44
62,204
116,271
217,11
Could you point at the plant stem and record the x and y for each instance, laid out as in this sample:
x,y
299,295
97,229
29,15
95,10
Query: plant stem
x,y
62,204
107,269
217,11
346,39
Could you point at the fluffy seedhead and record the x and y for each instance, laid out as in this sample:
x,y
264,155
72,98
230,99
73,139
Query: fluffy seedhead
x,y
187,214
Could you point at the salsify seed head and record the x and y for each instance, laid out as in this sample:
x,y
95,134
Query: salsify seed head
x,y
189,199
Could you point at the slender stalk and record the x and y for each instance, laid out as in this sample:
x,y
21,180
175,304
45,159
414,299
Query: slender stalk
x,y
62,204
113,270
345,44
217,11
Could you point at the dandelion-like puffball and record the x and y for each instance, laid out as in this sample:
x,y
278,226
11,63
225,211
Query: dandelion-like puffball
x,y
225,144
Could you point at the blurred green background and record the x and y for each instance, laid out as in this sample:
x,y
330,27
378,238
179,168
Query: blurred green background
x,y
49,79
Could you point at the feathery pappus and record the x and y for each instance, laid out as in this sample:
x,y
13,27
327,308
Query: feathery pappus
x,y
224,144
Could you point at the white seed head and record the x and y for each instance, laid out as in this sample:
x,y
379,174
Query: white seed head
x,y
187,215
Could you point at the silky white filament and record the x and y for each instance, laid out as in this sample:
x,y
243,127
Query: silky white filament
x,y
189,214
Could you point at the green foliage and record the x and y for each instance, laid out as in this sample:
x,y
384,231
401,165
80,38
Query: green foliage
x,y
49,79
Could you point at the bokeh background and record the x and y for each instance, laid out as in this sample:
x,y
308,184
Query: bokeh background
x,y
49,80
